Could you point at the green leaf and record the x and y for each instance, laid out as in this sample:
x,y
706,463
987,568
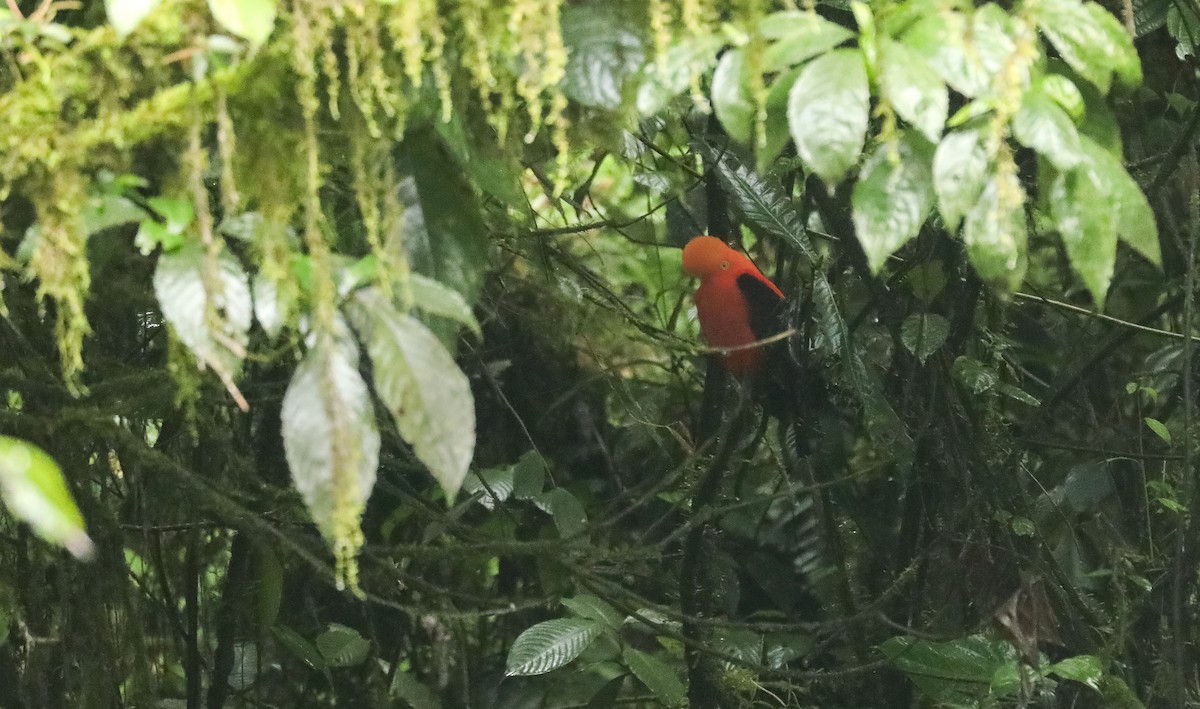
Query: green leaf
x,y
180,288
776,134
687,58
1159,429
1085,669
731,102
951,672
342,646
299,646
495,484
605,48
327,409
443,226
438,299
1042,125
407,688
966,50
763,202
996,232
657,675
1183,22
913,88
267,308
251,20
1065,93
529,476
34,490
564,508
973,374
176,214
960,172
892,197
125,15
591,607
1090,39
1086,205
416,378
924,333
797,37
828,112
550,645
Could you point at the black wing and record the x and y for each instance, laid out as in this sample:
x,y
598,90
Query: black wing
x,y
768,312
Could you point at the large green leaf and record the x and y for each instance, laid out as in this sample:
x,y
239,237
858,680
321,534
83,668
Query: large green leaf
x,y
996,232
252,20
1094,204
329,437
966,50
443,228
731,102
893,196
828,111
913,88
550,645
341,646
416,378
797,37
960,171
660,677
605,48
1183,22
776,134
1042,125
1090,39
125,15
34,490
179,284
955,671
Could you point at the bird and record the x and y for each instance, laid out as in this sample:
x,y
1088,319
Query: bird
x,y
737,306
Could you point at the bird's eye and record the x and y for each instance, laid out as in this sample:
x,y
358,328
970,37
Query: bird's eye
x,y
724,265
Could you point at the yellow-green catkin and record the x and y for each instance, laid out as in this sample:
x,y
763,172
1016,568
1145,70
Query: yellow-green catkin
x,y
344,529
231,199
755,47
660,32
60,264
697,16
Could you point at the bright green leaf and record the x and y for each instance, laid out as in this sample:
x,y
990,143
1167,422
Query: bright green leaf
x,y
125,15
797,37
776,134
996,232
1159,429
1065,93
913,88
828,112
428,396
1090,39
438,299
1085,669
252,20
34,490
550,645
892,197
960,172
1042,125
730,99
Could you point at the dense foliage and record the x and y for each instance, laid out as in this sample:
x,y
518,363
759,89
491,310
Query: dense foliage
x,y
347,359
